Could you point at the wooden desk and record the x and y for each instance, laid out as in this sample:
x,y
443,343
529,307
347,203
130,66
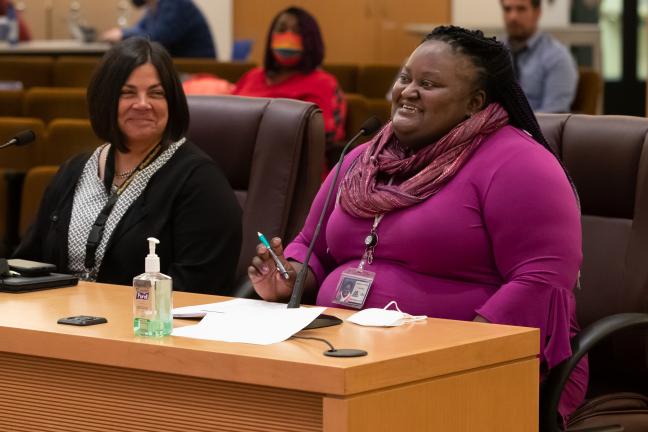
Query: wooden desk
x,y
54,47
435,375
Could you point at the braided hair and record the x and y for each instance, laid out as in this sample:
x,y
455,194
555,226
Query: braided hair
x,y
495,75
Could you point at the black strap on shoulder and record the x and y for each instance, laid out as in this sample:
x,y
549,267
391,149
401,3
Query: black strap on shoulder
x,y
99,225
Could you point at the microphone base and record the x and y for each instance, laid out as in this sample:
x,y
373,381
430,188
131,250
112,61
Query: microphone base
x,y
323,321
345,352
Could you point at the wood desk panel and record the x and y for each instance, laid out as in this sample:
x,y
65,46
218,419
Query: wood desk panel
x,y
40,394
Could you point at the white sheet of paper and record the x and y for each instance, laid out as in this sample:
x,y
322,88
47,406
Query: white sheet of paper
x,y
198,311
249,321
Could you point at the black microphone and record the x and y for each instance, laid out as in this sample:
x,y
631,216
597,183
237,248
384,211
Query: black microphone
x,y
21,138
370,126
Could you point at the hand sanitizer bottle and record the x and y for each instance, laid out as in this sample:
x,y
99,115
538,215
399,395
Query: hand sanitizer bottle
x,y
152,302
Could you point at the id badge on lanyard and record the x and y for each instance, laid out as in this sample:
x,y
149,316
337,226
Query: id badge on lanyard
x,y
354,284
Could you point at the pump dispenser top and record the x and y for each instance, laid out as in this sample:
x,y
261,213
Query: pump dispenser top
x,y
152,261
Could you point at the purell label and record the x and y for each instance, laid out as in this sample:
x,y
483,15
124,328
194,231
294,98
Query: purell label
x,y
144,299
141,295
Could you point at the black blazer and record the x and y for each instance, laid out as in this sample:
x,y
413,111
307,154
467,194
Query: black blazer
x,y
188,205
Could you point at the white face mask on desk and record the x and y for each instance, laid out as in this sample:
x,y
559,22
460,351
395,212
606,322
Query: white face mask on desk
x,y
374,317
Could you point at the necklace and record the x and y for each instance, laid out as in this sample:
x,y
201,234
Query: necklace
x,y
125,173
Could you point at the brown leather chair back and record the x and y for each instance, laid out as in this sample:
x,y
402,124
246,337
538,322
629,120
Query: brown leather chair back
x,y
272,152
607,157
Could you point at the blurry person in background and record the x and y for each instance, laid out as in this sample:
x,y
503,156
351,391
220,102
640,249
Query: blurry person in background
x,y
176,24
544,67
293,56
23,31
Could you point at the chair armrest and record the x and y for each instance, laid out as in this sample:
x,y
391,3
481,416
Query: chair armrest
x,y
610,428
581,345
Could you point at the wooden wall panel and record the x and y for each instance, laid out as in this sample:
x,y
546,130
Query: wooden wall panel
x,y
92,398
358,31
48,19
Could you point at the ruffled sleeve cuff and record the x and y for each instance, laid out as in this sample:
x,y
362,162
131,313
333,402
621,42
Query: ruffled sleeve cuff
x,y
297,252
545,308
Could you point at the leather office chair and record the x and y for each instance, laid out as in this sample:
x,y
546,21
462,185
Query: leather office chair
x,y
272,153
607,157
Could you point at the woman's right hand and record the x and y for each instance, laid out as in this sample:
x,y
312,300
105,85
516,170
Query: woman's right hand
x,y
268,282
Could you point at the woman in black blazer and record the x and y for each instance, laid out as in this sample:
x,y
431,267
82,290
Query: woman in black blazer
x,y
146,181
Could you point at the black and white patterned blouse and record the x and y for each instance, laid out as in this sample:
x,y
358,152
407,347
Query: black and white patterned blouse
x,y
90,197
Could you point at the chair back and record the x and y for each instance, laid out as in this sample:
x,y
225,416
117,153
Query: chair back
x,y
36,181
66,138
607,158
11,103
74,71
272,153
375,81
230,71
48,103
31,71
20,158
589,92
345,74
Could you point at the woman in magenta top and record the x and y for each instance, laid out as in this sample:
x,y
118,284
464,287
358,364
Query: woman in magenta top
x,y
467,212
293,56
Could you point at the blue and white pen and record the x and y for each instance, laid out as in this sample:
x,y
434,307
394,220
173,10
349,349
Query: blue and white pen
x,y
280,266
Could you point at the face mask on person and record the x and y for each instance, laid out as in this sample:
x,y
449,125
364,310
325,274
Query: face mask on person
x,y
138,3
287,48
374,317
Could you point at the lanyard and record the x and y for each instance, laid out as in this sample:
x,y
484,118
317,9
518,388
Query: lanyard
x,y
97,230
371,240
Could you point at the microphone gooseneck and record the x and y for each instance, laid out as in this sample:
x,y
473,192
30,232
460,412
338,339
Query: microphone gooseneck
x,y
20,139
370,126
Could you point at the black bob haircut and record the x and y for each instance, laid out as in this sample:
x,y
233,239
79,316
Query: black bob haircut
x,y
312,41
110,76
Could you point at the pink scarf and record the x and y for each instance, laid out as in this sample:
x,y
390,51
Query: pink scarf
x,y
425,172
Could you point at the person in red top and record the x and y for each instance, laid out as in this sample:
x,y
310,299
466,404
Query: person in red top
x,y
23,30
293,55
